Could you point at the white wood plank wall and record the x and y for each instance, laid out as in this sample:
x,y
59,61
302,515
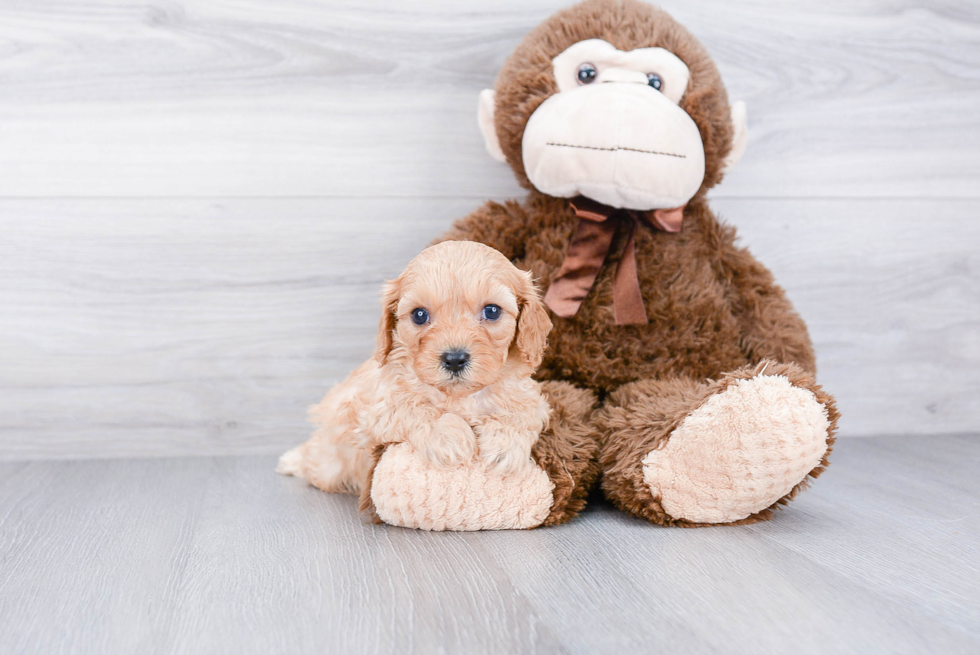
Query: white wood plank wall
x,y
198,200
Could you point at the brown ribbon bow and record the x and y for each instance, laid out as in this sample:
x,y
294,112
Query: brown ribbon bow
x,y
588,251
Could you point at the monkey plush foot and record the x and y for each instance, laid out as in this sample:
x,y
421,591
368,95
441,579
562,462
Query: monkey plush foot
x,y
721,452
742,450
408,491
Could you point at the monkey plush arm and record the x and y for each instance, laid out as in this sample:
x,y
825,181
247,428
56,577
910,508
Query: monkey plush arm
x,y
503,227
771,328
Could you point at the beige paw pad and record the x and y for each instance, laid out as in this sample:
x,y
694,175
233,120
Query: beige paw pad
x,y
410,492
741,451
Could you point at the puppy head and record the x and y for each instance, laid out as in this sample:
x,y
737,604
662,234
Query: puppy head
x,y
462,316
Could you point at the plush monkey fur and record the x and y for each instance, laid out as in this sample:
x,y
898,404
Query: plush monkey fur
x,y
717,320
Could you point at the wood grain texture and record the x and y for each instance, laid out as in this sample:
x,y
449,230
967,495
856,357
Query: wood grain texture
x,y
169,327
296,98
205,314
221,555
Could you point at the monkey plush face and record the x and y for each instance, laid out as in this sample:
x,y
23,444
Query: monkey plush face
x,y
618,116
614,131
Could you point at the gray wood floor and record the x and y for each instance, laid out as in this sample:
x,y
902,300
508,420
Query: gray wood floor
x,y
219,555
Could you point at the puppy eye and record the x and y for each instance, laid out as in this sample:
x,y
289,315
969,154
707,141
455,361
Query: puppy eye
x,y
420,316
586,74
655,81
491,312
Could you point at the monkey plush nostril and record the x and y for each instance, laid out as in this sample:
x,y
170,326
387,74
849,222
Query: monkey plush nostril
x,y
455,361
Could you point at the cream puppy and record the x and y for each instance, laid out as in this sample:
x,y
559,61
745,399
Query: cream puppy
x,y
462,330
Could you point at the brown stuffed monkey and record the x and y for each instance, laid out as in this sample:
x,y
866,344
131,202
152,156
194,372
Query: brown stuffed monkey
x,y
678,372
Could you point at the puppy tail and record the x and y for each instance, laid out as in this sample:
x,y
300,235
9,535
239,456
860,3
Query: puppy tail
x,y
291,463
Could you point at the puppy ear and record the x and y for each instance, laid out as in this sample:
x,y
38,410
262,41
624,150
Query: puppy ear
x,y
390,295
533,324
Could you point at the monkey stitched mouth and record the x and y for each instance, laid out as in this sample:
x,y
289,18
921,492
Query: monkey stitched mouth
x,y
616,149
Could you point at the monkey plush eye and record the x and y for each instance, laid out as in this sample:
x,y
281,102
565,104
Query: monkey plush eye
x,y
655,81
491,312
586,74
420,316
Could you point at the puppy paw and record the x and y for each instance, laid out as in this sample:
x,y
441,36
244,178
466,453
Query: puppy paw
x,y
451,443
504,454
291,463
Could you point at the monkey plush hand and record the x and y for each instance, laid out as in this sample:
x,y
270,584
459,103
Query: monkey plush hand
x,y
677,370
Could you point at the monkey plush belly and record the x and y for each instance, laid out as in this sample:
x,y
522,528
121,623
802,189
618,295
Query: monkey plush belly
x,y
620,355
692,329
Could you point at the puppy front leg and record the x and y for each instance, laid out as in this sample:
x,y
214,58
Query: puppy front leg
x,y
448,442
443,439
506,445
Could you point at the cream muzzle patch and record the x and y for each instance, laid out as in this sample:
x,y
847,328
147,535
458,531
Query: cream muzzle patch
x,y
610,135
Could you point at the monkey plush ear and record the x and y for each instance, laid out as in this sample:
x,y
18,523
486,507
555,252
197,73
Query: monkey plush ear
x,y
484,117
740,135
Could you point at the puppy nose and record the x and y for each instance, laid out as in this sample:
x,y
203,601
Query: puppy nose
x,y
455,360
